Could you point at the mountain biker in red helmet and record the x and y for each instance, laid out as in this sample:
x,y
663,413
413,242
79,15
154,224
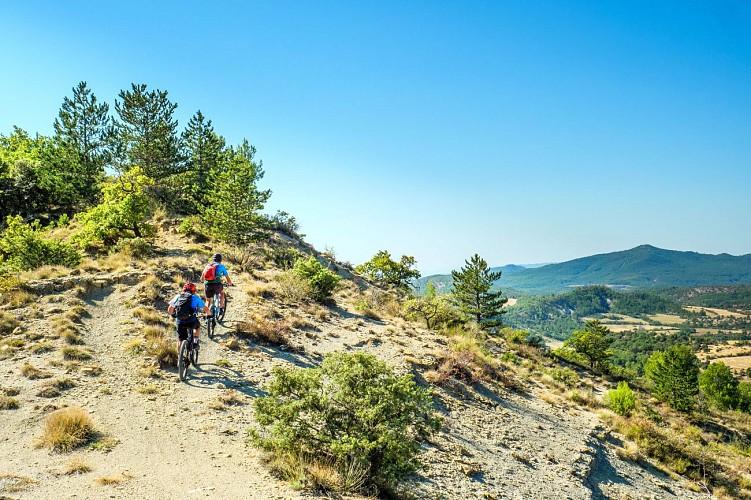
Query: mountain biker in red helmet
x,y
212,280
183,307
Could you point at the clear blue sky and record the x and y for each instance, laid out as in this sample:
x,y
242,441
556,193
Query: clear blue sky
x,y
523,131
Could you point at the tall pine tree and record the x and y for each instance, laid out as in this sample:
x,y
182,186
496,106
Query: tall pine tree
x,y
204,152
234,212
147,131
83,126
472,292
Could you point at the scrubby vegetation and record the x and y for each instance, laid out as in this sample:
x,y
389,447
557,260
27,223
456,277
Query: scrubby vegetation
x,y
352,414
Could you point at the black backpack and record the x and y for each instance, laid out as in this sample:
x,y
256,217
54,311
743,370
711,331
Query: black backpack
x,y
183,306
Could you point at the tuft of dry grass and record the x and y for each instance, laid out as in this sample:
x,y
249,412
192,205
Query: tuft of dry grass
x,y
226,399
264,330
163,351
147,389
72,353
76,313
77,466
8,403
16,298
66,429
31,372
13,483
149,290
150,316
42,347
8,323
113,480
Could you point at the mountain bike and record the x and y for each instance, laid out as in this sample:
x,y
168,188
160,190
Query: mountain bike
x,y
188,355
217,313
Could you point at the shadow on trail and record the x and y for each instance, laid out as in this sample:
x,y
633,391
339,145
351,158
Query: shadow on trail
x,y
210,375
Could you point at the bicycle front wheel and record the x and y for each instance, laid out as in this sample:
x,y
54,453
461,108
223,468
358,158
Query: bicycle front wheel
x,y
222,312
210,325
183,361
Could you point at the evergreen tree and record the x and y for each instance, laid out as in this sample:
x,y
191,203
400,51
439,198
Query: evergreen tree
x,y
233,214
592,343
472,292
674,375
204,152
84,126
147,131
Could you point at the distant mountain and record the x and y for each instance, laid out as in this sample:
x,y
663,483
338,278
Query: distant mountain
x,y
642,267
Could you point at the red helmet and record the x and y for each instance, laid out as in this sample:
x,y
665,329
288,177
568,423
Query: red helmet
x,y
189,287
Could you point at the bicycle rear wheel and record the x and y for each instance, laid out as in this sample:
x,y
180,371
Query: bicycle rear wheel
x,y
183,361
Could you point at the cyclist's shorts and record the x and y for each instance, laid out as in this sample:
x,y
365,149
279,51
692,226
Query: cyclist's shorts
x,y
185,326
212,289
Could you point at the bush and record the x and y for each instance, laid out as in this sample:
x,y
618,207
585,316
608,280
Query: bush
x,y
467,359
284,223
621,400
22,247
565,376
67,429
137,248
719,385
351,412
322,281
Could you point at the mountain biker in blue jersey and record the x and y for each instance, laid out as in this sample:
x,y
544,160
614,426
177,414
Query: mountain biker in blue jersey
x,y
212,280
183,307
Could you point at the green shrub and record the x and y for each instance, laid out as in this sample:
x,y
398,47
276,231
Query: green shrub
x,y
322,281
134,247
566,376
621,400
23,247
352,411
719,385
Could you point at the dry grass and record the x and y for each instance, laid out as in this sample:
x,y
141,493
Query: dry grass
x,y
8,403
8,323
13,483
66,429
42,347
262,330
226,399
31,372
113,480
292,289
150,316
149,290
163,351
77,466
13,299
147,389
466,359
72,353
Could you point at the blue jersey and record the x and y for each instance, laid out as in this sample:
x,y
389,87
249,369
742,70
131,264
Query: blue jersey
x,y
196,303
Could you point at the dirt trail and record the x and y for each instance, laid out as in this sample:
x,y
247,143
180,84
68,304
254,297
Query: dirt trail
x,y
170,443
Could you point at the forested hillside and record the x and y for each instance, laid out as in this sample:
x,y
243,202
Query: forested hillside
x,y
642,267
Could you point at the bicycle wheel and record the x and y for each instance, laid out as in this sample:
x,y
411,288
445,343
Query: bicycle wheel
x,y
194,356
210,324
222,312
183,361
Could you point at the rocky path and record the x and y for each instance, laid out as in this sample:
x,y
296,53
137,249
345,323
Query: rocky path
x,y
170,442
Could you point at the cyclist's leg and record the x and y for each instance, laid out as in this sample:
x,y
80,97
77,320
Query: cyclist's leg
x,y
196,330
222,302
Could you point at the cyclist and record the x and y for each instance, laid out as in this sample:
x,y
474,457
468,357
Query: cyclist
x,y
183,307
212,280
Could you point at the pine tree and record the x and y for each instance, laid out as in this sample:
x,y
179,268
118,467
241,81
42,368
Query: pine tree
x,y
147,131
675,376
472,292
204,151
83,125
234,213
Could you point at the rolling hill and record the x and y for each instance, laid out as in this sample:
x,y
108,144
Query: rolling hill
x,y
642,267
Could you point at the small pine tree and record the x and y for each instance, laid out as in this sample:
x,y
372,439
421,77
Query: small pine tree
x,y
472,292
592,343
